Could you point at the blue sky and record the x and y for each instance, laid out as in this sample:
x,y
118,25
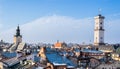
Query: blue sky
x,y
14,12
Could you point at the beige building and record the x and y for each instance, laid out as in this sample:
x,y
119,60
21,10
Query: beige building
x,y
106,48
115,65
42,53
17,45
17,37
116,56
1,65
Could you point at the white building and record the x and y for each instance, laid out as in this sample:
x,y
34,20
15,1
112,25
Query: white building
x,y
99,30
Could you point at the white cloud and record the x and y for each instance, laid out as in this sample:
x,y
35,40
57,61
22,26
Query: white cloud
x,y
52,28
64,28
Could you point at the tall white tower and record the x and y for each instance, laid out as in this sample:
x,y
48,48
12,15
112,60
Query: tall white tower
x,y
99,30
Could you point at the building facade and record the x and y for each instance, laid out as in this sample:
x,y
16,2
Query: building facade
x,y
17,37
99,30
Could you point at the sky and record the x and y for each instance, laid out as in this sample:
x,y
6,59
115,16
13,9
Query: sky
x,y
64,20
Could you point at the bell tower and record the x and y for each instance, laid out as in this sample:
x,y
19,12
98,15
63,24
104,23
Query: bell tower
x,y
99,30
17,37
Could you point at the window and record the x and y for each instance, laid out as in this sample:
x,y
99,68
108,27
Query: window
x,y
100,28
97,49
96,27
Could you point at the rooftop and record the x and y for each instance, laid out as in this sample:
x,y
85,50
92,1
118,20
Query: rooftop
x,y
56,59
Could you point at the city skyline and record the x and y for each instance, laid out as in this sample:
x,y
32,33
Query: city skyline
x,y
52,20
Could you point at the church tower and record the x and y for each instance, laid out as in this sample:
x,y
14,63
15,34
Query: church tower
x,y
17,37
99,30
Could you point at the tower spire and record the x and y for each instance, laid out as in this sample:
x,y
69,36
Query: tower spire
x,y
18,36
18,31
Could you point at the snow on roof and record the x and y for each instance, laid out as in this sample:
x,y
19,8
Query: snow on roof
x,y
77,50
9,54
56,59
57,64
92,51
11,61
39,68
70,67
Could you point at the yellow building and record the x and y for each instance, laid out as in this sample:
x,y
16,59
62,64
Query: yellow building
x,y
59,44
1,65
116,56
42,53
